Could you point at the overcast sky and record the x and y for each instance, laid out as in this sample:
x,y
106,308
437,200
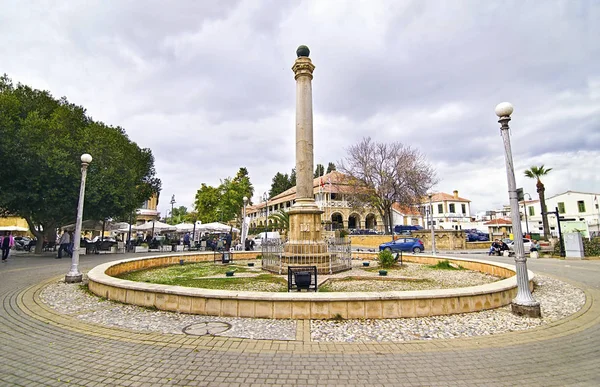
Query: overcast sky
x,y
208,86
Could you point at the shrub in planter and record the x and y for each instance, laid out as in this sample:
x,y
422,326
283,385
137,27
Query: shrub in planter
x,y
386,259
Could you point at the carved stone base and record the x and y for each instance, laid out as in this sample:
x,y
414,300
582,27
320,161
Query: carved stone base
x,y
526,310
71,279
305,223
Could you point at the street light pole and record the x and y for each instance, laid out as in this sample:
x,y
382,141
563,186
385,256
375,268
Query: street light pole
x,y
523,303
172,203
430,194
525,210
266,199
74,275
244,230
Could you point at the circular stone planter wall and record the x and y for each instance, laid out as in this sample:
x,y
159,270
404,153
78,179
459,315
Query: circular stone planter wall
x,y
393,304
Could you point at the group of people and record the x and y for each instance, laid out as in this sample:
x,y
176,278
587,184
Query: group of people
x,y
249,244
498,247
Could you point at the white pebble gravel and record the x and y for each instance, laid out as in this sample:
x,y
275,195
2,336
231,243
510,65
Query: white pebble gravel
x,y
558,300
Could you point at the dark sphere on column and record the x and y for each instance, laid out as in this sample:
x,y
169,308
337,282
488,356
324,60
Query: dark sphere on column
x,y
302,51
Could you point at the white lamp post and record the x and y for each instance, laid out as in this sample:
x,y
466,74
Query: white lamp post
x,y
430,194
74,275
523,303
244,230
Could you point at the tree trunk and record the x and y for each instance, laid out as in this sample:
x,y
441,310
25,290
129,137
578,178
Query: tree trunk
x,y
541,190
37,233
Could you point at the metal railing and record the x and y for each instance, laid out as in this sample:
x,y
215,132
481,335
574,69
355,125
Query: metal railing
x,y
330,256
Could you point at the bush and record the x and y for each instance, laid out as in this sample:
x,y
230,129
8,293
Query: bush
x,y
445,265
343,233
386,259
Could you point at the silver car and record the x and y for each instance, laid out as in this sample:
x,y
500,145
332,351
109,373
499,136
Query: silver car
x,y
526,245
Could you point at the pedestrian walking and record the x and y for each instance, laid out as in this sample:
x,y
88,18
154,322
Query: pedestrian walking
x,y
64,243
7,242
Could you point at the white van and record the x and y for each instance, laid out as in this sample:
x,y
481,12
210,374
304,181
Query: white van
x,y
271,236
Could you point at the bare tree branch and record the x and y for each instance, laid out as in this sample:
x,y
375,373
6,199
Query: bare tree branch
x,y
381,174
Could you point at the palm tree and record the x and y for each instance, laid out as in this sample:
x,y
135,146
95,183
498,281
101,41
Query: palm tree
x,y
535,173
282,219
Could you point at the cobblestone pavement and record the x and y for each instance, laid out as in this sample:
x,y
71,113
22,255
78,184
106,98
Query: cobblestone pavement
x,y
41,347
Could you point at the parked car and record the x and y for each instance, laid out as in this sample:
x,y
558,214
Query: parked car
x,y
21,242
400,228
476,236
526,245
271,236
403,244
358,231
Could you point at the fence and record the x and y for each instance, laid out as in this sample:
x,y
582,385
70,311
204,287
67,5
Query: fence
x,y
331,256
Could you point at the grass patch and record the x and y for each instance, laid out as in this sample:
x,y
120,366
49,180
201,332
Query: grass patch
x,y
194,276
263,282
177,274
445,265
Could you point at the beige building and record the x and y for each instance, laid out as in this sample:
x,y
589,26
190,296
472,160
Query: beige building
x,y
449,212
148,212
331,195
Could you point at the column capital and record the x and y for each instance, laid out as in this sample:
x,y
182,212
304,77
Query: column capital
x,y
303,67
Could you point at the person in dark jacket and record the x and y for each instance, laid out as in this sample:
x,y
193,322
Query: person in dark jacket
x,y
6,243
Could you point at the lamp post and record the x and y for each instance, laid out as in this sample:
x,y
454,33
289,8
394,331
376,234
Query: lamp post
x,y
525,210
74,275
266,200
172,203
244,231
523,303
430,194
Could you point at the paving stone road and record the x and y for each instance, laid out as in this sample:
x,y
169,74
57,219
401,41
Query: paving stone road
x,y
39,347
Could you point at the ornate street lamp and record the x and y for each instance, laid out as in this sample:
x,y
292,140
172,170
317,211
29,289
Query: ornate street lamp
x,y
525,210
430,194
266,200
523,303
74,275
172,203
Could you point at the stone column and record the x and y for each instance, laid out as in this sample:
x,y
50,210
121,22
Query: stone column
x,y
305,215
303,69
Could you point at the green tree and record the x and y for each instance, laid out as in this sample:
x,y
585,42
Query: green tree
x,y
293,178
42,139
224,203
330,167
207,203
535,173
179,215
279,184
381,174
319,170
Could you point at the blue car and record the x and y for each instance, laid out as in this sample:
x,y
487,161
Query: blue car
x,y
403,244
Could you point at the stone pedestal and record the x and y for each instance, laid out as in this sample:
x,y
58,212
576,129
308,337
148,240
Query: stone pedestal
x,y
526,310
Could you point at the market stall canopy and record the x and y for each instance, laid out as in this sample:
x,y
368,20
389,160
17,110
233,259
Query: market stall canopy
x,y
184,227
13,228
156,225
215,227
88,225
120,227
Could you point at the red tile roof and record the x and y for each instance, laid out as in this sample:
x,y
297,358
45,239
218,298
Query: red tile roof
x,y
498,222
